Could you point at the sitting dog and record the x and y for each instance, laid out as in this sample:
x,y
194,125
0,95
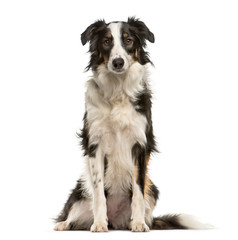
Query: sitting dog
x,y
115,191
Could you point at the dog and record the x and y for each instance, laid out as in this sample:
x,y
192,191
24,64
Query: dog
x,y
115,191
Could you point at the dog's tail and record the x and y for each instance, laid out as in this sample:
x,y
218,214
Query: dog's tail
x,y
180,221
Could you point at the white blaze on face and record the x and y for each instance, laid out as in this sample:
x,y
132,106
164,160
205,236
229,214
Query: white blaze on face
x,y
119,60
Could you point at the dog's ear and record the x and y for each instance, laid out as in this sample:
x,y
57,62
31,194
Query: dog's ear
x,y
93,29
142,29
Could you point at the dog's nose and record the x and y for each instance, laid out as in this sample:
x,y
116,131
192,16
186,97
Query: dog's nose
x,y
118,63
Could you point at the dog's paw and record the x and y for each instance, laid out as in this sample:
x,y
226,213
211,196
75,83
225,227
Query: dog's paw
x,y
139,227
99,227
61,226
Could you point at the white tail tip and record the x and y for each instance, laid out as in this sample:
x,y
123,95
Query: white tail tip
x,y
192,222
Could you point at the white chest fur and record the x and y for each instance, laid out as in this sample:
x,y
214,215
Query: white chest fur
x,y
114,123
122,126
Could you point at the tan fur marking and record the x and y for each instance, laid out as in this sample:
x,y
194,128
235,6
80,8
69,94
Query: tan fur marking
x,y
147,180
125,35
136,173
148,194
147,161
132,57
105,60
136,54
147,187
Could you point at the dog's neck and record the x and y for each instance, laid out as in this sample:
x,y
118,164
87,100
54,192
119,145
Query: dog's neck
x,y
116,87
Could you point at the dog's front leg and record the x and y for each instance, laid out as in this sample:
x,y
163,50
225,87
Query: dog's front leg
x,y
96,166
137,223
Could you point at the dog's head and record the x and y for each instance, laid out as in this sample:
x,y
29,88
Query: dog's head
x,y
117,45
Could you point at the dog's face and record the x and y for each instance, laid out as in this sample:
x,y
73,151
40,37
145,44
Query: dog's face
x,y
117,45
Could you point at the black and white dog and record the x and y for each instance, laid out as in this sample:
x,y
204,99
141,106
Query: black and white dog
x,y
117,138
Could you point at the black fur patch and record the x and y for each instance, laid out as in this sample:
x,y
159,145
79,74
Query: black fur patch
x,y
143,105
139,33
89,149
142,30
105,164
154,191
167,222
96,34
138,152
92,150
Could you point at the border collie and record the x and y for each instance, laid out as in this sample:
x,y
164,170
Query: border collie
x,y
115,192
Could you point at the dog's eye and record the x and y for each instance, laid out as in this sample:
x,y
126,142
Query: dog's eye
x,y
128,41
107,42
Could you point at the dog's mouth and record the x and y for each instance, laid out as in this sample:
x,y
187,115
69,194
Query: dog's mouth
x,y
118,71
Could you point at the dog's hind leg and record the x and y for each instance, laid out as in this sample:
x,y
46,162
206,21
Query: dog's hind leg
x,y
80,217
77,213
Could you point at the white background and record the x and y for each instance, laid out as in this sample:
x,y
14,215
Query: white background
x,y
195,113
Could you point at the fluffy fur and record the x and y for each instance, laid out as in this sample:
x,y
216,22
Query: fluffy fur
x,y
117,138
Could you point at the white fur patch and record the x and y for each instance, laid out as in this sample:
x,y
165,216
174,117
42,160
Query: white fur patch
x,y
81,213
192,222
118,51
